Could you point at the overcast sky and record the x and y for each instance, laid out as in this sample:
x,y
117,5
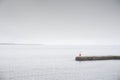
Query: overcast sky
x,y
73,22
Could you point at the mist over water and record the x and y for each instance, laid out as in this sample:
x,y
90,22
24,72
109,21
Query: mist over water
x,y
58,22
34,62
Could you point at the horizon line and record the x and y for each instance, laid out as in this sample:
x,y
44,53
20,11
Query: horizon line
x,y
60,44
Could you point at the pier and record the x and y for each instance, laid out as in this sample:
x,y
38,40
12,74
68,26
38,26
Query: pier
x,y
89,58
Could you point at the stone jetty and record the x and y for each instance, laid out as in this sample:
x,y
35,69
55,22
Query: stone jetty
x,y
89,58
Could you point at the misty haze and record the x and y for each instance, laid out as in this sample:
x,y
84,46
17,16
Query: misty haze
x,y
39,39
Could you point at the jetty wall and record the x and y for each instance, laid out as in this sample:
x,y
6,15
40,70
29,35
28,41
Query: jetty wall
x,y
83,58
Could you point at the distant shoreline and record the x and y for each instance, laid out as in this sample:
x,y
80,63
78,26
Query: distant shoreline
x,y
17,44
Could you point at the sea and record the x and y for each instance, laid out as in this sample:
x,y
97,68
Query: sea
x,y
57,62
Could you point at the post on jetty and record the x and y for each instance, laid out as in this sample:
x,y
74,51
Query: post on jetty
x,y
89,58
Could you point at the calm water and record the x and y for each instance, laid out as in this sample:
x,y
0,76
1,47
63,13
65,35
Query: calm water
x,y
23,62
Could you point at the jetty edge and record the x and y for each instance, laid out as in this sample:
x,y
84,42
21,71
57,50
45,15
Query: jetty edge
x,y
89,58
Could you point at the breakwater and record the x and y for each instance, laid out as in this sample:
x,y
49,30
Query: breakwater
x,y
85,58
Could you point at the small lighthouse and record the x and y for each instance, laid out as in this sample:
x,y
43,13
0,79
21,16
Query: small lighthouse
x,y
80,54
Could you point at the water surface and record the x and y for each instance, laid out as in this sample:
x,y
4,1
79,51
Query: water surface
x,y
34,62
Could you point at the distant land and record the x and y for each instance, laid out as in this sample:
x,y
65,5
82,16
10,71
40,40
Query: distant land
x,y
18,44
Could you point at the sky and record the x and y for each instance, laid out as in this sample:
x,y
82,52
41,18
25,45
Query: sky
x,y
60,22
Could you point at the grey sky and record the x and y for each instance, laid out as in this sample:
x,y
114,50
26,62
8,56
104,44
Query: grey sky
x,y
60,21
